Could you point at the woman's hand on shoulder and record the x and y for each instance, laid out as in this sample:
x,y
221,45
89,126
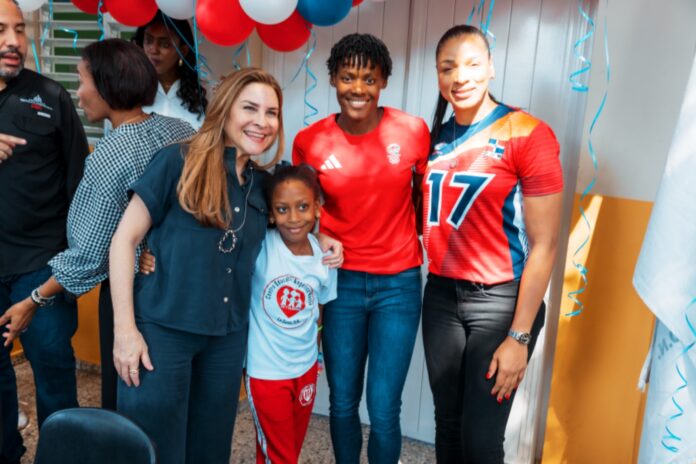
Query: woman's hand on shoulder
x,y
335,259
508,366
146,263
130,350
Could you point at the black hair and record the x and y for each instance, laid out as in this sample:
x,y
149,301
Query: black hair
x,y
441,106
123,75
360,50
303,173
191,93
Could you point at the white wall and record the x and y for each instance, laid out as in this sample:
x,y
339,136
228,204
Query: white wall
x,y
651,46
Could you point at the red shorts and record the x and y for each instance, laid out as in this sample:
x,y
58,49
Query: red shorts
x,y
281,410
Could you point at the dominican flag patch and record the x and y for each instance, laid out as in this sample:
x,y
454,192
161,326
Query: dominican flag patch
x,y
494,149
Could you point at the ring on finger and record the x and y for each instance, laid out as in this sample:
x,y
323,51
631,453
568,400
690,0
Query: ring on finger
x,y
133,371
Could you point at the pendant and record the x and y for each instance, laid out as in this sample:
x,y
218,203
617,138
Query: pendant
x,y
221,244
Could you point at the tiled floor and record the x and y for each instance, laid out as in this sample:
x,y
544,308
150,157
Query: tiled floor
x,y
316,450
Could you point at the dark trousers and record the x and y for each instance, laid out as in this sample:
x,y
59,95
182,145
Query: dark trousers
x,y
188,403
463,324
47,346
106,347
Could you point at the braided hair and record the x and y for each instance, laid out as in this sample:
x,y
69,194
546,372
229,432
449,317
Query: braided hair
x,y
359,50
191,93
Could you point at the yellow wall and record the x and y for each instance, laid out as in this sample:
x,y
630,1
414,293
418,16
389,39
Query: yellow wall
x,y
595,411
86,340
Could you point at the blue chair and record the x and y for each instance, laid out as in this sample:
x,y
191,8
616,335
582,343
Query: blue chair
x,y
92,435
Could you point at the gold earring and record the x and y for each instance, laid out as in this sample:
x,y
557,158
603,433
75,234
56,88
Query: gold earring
x,y
181,62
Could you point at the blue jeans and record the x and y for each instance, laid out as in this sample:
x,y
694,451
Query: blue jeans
x,y
188,404
375,316
47,346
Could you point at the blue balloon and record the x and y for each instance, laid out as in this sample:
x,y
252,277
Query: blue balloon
x,y
324,12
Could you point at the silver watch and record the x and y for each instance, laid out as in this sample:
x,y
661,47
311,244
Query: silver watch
x,y
41,300
522,337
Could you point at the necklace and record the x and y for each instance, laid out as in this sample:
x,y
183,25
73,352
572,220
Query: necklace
x,y
137,118
231,234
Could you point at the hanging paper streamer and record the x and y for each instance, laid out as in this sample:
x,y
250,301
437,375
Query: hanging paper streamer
x,y
303,62
36,56
669,435
576,86
100,20
484,26
238,51
313,111
48,24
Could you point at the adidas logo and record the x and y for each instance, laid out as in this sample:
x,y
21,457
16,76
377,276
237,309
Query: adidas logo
x,y
331,163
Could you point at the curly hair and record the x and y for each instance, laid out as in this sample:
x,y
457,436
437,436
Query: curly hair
x,y
360,50
192,94
283,172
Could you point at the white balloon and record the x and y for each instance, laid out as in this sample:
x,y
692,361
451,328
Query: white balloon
x,y
30,5
268,11
177,9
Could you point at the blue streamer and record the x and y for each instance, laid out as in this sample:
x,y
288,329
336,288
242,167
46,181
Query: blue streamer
x,y
100,20
36,56
574,77
44,33
593,154
669,435
471,13
484,26
313,111
302,65
196,44
236,53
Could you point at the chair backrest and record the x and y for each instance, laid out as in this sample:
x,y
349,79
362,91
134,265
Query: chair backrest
x,y
95,436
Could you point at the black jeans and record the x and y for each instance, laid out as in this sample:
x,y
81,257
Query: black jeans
x,y
463,325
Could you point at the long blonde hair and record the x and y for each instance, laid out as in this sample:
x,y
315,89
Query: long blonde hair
x,y
202,188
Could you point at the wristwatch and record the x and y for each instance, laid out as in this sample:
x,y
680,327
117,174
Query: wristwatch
x,y
41,300
521,337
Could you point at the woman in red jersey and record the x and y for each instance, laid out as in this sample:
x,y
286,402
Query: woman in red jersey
x,y
367,158
492,204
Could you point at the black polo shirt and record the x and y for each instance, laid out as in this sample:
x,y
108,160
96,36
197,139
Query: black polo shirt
x,y
196,287
39,179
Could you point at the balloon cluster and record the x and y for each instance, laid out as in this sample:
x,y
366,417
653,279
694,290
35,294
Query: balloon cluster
x,y
283,25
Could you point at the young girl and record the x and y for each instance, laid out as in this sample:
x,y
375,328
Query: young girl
x,y
492,196
289,287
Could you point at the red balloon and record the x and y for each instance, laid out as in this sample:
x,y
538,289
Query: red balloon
x,y
132,12
89,6
223,22
287,36
357,2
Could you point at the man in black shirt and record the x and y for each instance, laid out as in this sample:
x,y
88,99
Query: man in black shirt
x,y
42,153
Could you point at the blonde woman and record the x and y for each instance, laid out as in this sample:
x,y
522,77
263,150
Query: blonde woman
x,y
181,332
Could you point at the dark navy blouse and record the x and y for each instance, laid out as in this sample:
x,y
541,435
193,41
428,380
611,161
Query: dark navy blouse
x,y
196,287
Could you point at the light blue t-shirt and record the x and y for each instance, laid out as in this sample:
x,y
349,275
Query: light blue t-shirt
x,y
286,291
